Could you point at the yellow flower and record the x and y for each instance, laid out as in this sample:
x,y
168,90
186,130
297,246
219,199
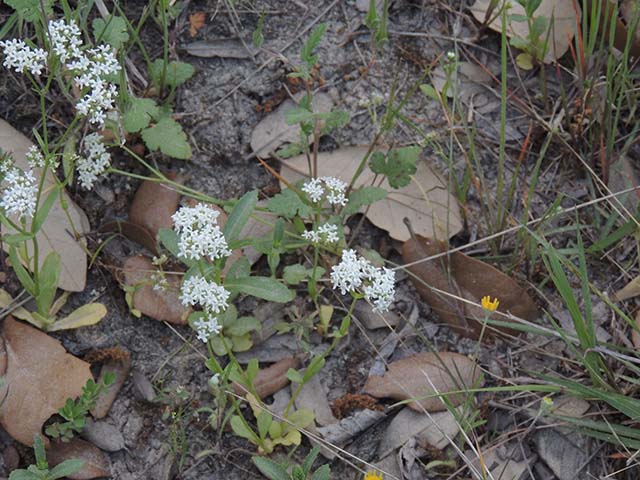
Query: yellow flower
x,y
489,305
372,475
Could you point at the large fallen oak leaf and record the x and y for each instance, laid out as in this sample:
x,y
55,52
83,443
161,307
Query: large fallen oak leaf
x,y
273,130
56,234
469,278
139,273
96,464
560,14
437,215
40,377
427,378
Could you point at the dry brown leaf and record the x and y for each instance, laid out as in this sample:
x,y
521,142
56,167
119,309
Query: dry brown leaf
x,y
561,11
271,379
312,396
273,131
40,377
622,175
153,205
96,464
630,290
164,305
56,233
437,215
120,368
629,9
465,277
425,375
196,22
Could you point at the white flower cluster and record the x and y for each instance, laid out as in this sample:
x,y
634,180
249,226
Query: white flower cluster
x,y
211,297
34,157
95,161
20,56
206,328
333,188
200,235
355,273
20,191
197,290
65,39
90,68
327,233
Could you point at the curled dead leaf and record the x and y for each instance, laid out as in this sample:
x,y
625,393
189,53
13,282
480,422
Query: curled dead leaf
x,y
426,201
153,205
53,377
196,22
96,464
468,278
271,379
425,377
165,305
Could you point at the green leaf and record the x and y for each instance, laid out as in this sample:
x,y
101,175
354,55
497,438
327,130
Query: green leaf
x,y
288,204
65,469
314,367
264,422
243,325
139,113
113,31
176,73
298,115
270,469
218,345
30,10
398,166
169,239
525,61
302,418
430,92
39,451
257,37
21,272
24,475
239,269
260,287
43,209
294,274
241,429
364,196
239,216
16,238
306,53
168,137
241,343
309,459
294,376
322,473
538,27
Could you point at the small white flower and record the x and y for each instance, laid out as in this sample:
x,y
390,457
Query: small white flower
x,y
20,56
97,102
197,290
95,162
200,235
214,381
94,65
381,290
358,274
206,328
337,189
314,189
349,273
34,157
333,187
66,39
19,195
327,233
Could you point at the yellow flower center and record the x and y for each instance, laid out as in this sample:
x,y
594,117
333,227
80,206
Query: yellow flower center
x,y
372,475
